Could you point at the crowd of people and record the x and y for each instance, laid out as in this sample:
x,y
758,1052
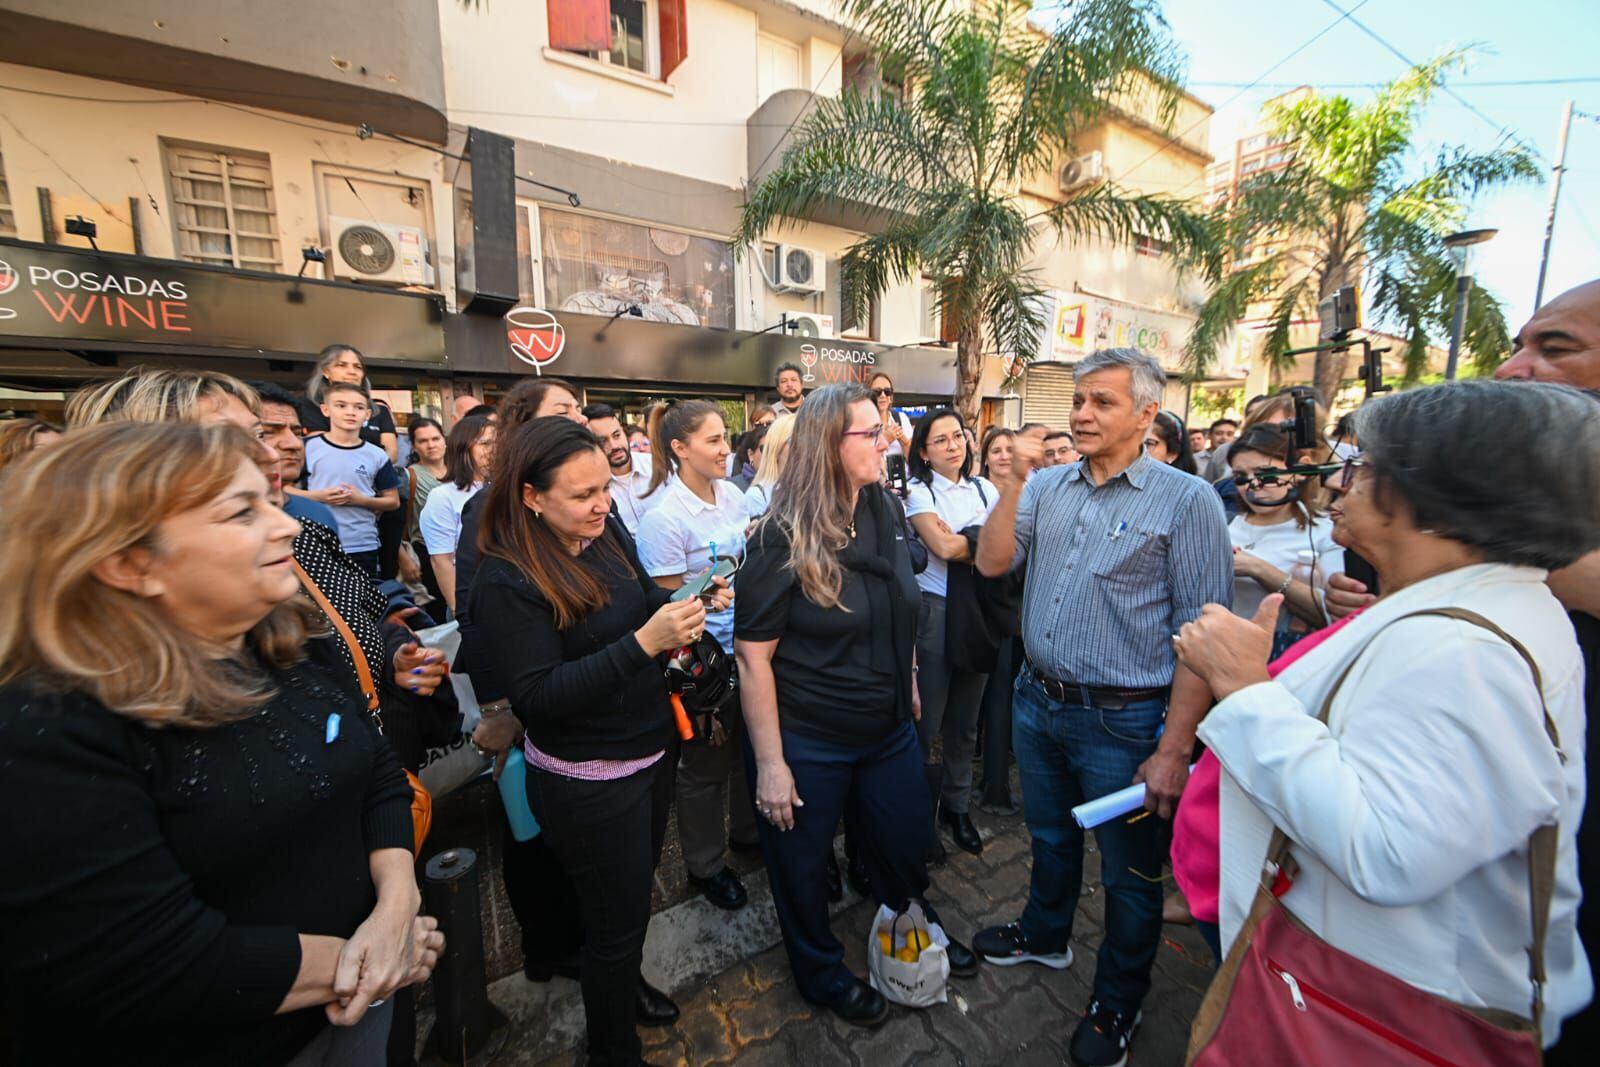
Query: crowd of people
x,y
219,676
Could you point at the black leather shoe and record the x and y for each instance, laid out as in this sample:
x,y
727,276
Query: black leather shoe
x,y
936,855
835,883
544,970
856,873
963,964
722,889
962,832
651,1007
861,1006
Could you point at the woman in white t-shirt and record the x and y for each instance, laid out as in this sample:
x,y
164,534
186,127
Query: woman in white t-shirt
x,y
1281,520
896,427
696,518
469,451
944,500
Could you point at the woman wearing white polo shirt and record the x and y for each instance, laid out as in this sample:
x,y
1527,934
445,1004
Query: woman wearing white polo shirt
x,y
944,500
468,452
694,514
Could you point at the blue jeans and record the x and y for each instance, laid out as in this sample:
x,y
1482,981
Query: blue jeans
x,y
882,794
1069,753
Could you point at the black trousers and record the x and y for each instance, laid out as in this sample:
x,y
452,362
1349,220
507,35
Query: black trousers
x,y
542,898
882,794
608,836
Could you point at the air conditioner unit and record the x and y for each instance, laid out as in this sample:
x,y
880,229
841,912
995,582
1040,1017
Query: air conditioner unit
x,y
1082,172
380,252
800,270
812,325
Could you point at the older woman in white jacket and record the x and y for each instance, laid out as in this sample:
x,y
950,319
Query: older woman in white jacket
x,y
1411,809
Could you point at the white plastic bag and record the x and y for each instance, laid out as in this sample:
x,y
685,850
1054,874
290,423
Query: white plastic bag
x,y
916,985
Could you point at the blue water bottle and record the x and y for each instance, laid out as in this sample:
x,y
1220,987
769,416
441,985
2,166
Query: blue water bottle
x,y
514,795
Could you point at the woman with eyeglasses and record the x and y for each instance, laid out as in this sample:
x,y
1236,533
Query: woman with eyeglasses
x,y
945,502
825,633
896,426
1167,442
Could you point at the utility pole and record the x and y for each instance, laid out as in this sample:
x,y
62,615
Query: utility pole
x,y
1556,173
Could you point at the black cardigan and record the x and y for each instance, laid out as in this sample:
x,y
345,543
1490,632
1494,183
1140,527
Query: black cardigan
x,y
586,693
157,879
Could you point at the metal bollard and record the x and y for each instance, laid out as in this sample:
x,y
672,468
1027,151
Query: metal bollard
x,y
466,1024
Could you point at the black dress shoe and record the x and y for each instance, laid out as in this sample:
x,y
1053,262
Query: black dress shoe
x,y
835,883
722,889
963,964
544,970
651,1007
861,1006
856,873
962,832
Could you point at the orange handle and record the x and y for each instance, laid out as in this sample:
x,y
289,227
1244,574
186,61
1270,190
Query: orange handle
x,y
685,728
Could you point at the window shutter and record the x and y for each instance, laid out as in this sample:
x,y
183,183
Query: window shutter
x,y
580,25
674,35
1047,395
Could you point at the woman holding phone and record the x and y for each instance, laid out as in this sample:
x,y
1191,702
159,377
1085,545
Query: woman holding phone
x,y
579,632
700,520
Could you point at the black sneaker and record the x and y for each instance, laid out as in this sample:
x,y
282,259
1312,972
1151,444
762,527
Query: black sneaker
x,y
1102,1039
1008,945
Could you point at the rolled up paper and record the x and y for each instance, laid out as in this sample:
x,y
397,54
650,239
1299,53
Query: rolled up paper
x,y
1092,813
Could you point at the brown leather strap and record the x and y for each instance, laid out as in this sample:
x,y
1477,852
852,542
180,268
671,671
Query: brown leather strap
x,y
363,669
411,503
1542,842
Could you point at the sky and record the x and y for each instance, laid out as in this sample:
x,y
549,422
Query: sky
x,y
1232,43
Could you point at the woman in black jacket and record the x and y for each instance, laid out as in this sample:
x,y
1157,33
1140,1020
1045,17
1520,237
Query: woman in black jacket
x,y
219,864
573,631
825,631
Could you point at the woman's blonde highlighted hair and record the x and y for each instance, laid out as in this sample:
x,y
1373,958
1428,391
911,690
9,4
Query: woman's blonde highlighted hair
x,y
773,448
154,394
813,503
101,491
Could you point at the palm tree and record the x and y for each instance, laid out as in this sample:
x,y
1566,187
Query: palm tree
x,y
987,101
1352,210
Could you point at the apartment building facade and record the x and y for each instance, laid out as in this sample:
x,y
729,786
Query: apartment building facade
x,y
397,175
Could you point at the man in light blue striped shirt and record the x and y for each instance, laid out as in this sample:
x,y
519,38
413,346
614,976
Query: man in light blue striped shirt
x,y
1121,551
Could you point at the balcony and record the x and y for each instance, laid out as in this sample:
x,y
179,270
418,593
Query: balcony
x,y
355,61
768,135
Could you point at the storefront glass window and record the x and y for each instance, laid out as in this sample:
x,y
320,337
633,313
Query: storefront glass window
x,y
600,266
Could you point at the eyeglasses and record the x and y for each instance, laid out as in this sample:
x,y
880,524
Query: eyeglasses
x,y
882,392
944,441
874,434
1351,465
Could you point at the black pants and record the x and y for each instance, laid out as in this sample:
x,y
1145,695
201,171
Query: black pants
x,y
542,898
881,792
996,783
608,836
368,562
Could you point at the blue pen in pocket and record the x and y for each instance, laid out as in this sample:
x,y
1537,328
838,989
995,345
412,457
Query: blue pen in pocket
x,y
1122,528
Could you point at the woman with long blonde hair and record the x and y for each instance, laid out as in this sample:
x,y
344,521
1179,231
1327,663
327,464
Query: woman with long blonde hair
x,y
226,865
825,634
773,448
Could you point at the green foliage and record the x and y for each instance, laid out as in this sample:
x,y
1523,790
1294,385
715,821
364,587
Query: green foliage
x,y
1208,405
987,102
1361,212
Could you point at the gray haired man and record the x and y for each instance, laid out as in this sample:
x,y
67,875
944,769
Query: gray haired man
x,y
1121,551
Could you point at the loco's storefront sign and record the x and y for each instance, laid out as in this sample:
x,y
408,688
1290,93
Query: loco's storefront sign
x,y
67,298
1077,324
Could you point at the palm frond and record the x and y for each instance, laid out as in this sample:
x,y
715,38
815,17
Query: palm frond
x,y
1228,303
1113,214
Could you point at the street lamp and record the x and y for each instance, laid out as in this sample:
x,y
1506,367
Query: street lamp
x,y
1460,246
